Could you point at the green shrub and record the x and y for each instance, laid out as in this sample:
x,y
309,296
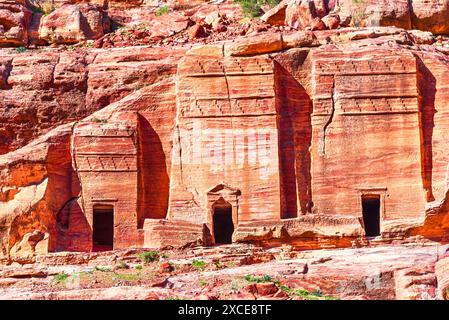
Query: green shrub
x,y
253,8
198,264
202,283
174,298
138,267
21,49
61,277
103,269
97,120
148,256
358,13
234,287
317,294
162,10
122,265
284,288
258,279
127,277
43,6
37,10
357,18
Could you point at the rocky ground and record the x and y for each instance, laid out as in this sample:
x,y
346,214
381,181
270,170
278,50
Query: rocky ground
x,y
230,272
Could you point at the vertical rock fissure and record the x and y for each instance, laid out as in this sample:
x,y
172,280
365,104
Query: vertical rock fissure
x,y
322,150
180,153
54,69
229,101
8,69
65,224
75,165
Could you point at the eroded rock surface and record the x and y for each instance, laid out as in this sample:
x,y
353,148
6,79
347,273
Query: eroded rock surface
x,y
14,21
43,90
232,272
74,23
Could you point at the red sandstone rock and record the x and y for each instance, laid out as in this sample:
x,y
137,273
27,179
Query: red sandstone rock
x,y
266,288
43,180
375,13
422,37
299,14
331,21
172,23
165,267
220,28
276,15
318,24
442,274
197,31
74,23
215,19
415,283
300,39
421,14
431,16
381,272
254,45
14,21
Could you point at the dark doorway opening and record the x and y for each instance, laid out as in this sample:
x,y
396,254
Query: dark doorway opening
x,y
371,215
223,224
103,228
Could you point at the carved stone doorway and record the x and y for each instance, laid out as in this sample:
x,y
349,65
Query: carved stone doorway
x,y
223,204
222,222
371,215
103,228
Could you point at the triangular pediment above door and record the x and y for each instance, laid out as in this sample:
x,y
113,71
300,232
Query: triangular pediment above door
x,y
223,189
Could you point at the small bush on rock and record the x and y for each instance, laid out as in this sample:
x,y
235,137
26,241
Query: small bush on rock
x,y
61,277
44,6
122,265
21,49
258,279
199,264
103,269
162,10
149,256
253,8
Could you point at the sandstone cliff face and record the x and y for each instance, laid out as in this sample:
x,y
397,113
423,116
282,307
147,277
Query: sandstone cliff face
x,y
267,128
274,137
36,182
150,108
72,86
68,86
